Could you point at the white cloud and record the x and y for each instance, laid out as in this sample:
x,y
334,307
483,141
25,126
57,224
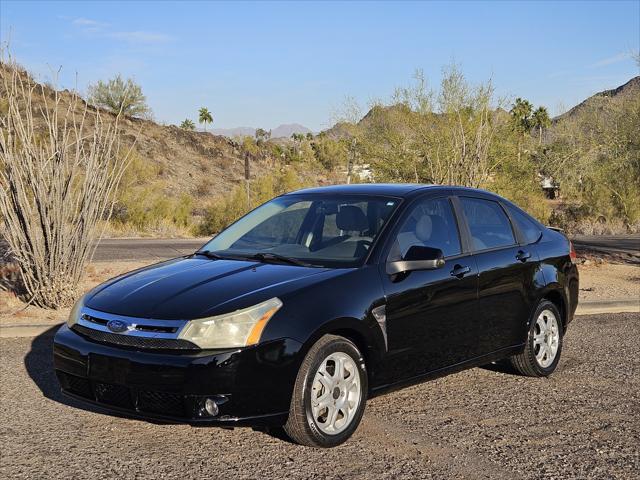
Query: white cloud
x,y
87,22
617,58
100,29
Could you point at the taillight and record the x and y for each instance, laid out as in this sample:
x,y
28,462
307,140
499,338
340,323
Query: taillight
x,y
572,252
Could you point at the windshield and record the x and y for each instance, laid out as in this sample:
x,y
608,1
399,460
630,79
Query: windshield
x,y
321,231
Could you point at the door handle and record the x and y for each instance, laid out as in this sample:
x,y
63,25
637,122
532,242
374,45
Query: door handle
x,y
523,256
460,271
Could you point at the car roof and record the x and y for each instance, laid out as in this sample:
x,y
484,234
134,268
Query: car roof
x,y
391,189
394,189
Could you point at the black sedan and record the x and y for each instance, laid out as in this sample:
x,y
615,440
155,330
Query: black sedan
x,y
319,299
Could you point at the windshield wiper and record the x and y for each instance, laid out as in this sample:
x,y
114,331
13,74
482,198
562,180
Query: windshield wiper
x,y
210,254
269,256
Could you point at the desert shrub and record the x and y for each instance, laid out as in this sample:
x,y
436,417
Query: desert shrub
x,y
58,176
119,96
330,153
595,156
143,205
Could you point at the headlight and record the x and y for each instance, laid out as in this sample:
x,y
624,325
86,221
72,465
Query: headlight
x,y
74,315
236,329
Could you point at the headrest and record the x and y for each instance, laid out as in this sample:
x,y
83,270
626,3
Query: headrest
x,y
351,219
424,227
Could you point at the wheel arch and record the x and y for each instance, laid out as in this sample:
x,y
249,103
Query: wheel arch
x,y
356,331
556,297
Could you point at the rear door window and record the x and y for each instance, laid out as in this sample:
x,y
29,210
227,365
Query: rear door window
x,y
488,223
430,224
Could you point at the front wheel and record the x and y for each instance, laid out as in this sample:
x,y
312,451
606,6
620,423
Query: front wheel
x,y
544,343
329,395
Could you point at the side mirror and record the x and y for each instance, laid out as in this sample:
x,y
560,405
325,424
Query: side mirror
x,y
417,258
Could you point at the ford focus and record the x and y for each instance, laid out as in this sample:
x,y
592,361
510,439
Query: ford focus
x,y
296,314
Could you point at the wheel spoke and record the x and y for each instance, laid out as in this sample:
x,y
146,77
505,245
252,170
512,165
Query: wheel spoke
x,y
326,381
542,352
338,374
332,415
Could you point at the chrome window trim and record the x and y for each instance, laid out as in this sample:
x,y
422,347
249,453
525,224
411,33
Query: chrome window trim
x,y
132,322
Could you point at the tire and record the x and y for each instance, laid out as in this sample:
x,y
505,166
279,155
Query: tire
x,y
311,423
532,362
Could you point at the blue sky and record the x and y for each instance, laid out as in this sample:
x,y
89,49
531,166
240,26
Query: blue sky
x,y
265,63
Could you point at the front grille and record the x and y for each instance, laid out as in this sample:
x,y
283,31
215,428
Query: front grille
x,y
139,327
77,385
161,402
143,401
134,341
116,395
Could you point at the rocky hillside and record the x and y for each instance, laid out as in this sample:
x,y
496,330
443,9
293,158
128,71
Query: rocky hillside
x,y
629,90
196,163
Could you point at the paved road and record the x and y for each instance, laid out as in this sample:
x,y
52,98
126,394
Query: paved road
x,y
582,422
148,249
119,249
629,244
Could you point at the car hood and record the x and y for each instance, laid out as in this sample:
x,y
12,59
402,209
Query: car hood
x,y
196,287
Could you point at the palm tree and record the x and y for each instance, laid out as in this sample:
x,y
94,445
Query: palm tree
x,y
187,125
204,117
521,115
540,120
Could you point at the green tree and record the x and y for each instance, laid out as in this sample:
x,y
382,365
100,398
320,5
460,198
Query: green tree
x,y
262,135
187,125
540,120
204,117
521,112
119,96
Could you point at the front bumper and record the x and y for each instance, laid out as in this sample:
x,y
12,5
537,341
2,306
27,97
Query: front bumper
x,y
252,386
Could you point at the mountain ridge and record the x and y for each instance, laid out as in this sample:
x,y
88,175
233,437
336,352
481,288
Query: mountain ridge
x,y
284,130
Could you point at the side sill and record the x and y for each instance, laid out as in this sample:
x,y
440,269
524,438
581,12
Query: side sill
x,y
442,372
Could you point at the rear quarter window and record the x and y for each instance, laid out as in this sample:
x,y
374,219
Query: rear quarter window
x,y
528,228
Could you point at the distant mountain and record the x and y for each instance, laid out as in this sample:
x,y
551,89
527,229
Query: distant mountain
x,y
628,90
285,131
234,132
281,131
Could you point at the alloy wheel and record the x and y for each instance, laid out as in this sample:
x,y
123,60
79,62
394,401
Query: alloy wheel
x,y
336,393
546,338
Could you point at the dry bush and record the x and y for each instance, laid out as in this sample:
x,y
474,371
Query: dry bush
x,y
59,169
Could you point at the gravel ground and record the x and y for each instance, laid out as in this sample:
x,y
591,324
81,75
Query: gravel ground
x,y
583,422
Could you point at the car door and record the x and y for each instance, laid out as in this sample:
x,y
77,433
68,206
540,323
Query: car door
x,y
429,313
504,274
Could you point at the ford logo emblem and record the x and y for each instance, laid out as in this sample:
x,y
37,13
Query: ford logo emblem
x,y
117,326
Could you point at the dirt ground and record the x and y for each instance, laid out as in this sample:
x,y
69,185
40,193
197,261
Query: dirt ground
x,y
609,281
598,281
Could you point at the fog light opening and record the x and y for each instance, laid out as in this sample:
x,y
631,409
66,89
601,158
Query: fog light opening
x,y
211,407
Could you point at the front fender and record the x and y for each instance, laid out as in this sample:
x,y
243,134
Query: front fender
x,y
342,305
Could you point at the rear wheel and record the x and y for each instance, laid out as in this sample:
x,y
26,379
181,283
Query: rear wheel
x,y
544,343
330,394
